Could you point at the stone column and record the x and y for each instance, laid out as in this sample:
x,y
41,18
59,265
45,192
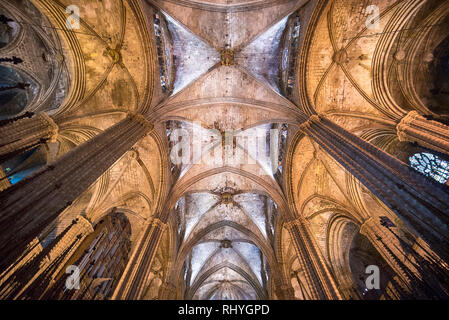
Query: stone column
x,y
427,133
387,246
419,273
26,273
79,226
299,275
24,133
134,279
418,201
29,206
319,279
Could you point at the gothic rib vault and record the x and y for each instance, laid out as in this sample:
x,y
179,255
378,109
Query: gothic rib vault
x,y
89,177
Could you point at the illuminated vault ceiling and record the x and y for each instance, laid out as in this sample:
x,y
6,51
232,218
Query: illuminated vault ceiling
x,y
225,208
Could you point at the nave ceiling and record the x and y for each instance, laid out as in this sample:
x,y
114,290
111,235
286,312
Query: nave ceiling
x,y
256,69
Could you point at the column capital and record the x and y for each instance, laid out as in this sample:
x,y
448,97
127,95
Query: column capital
x,y
367,224
428,133
157,223
308,122
405,123
293,222
142,120
412,115
49,122
85,223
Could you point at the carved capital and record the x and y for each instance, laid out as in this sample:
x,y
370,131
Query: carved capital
x,y
405,124
142,120
290,224
308,123
157,223
411,116
367,226
428,133
87,226
316,117
51,124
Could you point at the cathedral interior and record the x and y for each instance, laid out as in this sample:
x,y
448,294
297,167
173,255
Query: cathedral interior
x,y
224,149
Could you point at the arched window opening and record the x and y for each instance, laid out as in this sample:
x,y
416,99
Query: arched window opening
x,y
288,59
431,166
16,91
23,165
278,164
180,208
170,129
362,254
437,97
163,51
8,29
283,134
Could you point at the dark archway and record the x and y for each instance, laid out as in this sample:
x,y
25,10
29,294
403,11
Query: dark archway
x,y
361,255
16,92
438,95
8,29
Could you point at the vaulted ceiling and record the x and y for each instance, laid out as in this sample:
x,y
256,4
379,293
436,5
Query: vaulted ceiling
x,y
225,207
200,70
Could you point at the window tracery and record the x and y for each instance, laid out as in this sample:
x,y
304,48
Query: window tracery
x,y
289,55
163,52
431,166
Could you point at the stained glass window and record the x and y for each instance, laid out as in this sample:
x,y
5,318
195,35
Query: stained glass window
x,y
431,166
161,50
294,36
22,166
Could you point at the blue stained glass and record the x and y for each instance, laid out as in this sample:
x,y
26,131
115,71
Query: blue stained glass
x,y
431,166
22,175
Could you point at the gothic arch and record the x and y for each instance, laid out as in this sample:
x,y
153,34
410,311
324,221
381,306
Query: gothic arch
x,y
231,266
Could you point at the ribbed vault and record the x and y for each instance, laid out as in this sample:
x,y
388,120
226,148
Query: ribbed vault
x,y
240,144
